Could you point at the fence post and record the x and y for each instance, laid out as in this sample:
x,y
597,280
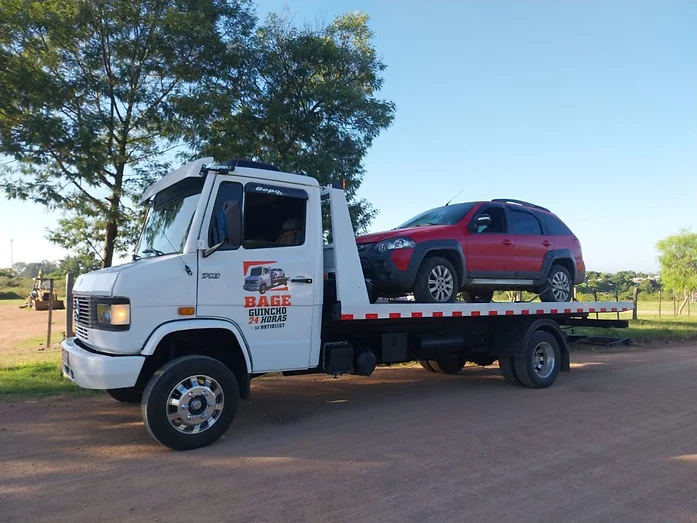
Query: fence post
x,y
634,301
659,304
50,312
617,299
595,299
69,281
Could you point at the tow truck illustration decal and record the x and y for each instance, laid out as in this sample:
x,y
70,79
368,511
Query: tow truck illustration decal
x,y
266,312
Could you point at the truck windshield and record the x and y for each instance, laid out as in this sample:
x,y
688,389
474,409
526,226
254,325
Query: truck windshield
x,y
446,215
168,222
255,272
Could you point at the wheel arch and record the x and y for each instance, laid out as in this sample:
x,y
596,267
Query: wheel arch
x,y
216,338
510,340
451,250
563,257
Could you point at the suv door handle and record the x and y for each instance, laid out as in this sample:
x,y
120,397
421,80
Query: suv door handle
x,y
546,243
301,280
507,242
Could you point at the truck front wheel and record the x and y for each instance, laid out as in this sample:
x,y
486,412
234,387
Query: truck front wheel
x,y
190,402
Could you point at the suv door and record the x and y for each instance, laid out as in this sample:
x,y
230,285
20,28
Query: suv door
x,y
489,252
234,282
531,244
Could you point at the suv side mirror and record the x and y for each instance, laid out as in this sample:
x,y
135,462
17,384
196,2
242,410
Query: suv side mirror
x,y
233,223
483,220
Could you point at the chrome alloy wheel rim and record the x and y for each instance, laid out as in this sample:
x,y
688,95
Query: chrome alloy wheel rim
x,y
561,286
195,404
543,360
440,284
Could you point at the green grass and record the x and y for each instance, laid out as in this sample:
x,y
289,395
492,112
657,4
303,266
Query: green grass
x,y
650,328
36,380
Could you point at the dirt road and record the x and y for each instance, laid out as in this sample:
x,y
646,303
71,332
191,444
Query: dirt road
x,y
23,331
615,440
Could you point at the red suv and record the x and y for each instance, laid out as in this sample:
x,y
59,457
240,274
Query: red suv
x,y
476,248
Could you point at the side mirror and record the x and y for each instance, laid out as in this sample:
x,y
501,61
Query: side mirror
x,y
231,227
233,222
480,223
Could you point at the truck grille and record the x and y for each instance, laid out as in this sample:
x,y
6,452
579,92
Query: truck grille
x,y
83,315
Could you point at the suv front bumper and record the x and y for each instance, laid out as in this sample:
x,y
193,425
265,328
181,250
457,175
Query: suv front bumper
x,y
381,270
92,370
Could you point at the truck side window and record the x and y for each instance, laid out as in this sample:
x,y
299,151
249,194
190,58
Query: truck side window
x,y
274,216
227,191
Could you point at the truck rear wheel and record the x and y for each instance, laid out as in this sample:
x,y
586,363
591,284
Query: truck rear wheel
x,y
540,363
507,368
426,365
129,395
449,365
190,402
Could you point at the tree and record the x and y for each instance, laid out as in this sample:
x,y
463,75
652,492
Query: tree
x,y
79,264
311,106
678,259
93,91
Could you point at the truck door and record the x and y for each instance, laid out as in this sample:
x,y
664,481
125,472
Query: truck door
x,y
236,282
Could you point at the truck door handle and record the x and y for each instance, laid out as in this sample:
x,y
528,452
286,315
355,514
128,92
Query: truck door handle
x,y
301,280
546,243
507,242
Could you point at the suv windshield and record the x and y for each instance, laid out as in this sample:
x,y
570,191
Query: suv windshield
x,y
446,215
169,220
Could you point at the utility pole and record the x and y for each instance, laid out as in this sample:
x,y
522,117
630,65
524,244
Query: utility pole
x,y
12,258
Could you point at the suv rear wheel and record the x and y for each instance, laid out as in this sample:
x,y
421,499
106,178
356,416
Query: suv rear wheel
x,y
436,281
560,286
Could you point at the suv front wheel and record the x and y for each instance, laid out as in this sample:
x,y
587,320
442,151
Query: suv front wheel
x,y
436,281
560,287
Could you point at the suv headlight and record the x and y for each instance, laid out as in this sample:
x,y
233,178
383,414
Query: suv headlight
x,y
113,314
395,243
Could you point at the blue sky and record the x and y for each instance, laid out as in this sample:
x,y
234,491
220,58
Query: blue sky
x,y
588,108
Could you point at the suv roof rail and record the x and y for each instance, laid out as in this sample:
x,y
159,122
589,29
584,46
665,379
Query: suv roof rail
x,y
520,202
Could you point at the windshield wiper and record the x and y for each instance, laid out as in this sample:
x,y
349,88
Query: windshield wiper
x,y
153,251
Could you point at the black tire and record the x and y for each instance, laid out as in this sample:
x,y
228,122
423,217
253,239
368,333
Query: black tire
x,y
478,296
448,365
426,365
155,405
448,278
507,369
130,395
560,286
262,288
483,359
540,363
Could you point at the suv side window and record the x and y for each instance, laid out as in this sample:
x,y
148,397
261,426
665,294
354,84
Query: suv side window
x,y
524,223
498,221
274,216
554,225
227,192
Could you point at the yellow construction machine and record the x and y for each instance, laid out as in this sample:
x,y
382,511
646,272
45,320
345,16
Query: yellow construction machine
x,y
40,296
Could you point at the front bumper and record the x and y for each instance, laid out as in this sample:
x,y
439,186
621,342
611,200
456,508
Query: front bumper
x,y
92,370
251,286
381,270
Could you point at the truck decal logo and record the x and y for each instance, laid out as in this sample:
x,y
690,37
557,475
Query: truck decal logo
x,y
266,311
210,275
267,190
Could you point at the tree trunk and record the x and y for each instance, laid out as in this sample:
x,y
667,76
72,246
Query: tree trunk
x,y
112,229
682,306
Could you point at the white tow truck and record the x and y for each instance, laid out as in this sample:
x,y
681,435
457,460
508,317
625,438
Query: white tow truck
x,y
179,331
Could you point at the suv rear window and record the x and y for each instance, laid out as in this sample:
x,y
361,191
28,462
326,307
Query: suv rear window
x,y
554,225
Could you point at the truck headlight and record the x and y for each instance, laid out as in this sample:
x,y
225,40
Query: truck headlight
x,y
395,243
118,314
